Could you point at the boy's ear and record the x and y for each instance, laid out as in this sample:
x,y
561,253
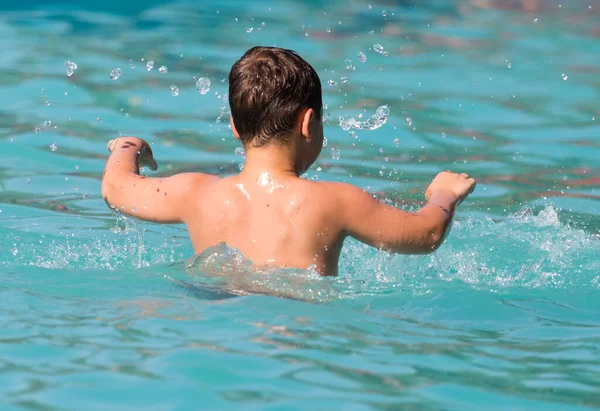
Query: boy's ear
x,y
235,132
305,118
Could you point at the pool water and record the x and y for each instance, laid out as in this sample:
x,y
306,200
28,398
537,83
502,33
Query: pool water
x,y
103,312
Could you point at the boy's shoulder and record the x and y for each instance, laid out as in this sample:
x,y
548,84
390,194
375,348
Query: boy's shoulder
x,y
338,188
339,196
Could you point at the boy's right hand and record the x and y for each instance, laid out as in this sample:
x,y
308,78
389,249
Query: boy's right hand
x,y
460,185
146,158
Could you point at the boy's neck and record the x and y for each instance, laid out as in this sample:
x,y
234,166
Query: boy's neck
x,y
272,159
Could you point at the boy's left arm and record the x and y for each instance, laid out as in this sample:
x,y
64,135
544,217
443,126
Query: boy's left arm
x,y
162,200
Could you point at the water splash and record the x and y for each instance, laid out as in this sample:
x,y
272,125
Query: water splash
x,y
70,68
226,269
372,123
174,90
203,85
523,251
150,65
163,70
335,153
361,57
239,151
378,48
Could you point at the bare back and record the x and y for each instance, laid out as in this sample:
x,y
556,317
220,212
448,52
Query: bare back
x,y
287,222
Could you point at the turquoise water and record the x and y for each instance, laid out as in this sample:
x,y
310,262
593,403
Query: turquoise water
x,y
100,312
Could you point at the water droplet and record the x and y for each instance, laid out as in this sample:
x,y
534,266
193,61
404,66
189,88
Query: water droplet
x,y
509,65
43,90
163,70
351,67
150,65
239,151
331,82
370,7
409,121
53,147
37,129
70,68
325,142
535,20
47,103
374,122
131,65
328,30
98,119
396,142
47,123
306,34
361,56
116,73
203,85
335,153
378,48
564,76
326,117
443,135
344,79
174,90
249,29
383,13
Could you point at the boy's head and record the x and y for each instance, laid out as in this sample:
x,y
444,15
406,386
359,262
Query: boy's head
x,y
270,91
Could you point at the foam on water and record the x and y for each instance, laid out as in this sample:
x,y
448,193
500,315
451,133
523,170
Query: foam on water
x,y
523,251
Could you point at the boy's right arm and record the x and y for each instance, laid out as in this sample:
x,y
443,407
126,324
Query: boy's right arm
x,y
162,200
387,227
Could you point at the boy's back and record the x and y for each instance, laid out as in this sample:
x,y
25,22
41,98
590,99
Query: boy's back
x,y
282,220
268,212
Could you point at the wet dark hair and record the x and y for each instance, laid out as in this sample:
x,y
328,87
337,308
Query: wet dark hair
x,y
268,87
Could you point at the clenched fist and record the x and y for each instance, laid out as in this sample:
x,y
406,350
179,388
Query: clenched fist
x,y
460,185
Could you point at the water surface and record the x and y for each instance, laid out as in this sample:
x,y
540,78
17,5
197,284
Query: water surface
x,y
101,313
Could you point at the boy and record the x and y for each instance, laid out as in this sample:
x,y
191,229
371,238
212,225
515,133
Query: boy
x,y
267,211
